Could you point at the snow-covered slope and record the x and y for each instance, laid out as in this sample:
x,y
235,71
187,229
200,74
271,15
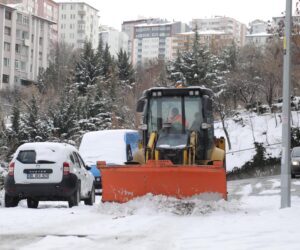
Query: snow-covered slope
x,y
246,128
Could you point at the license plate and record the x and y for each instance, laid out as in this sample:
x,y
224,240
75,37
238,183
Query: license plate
x,y
38,176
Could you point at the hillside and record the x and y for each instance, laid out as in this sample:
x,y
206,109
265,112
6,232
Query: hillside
x,y
246,128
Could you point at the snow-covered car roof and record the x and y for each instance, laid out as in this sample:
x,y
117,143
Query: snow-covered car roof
x,y
105,145
51,151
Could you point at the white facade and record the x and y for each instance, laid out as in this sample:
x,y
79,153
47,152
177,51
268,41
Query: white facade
x,y
78,22
116,40
258,39
227,24
24,46
153,41
258,26
128,28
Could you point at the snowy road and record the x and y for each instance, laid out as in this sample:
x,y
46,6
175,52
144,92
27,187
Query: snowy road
x,y
251,219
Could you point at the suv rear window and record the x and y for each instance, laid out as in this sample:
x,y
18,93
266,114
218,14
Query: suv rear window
x,y
27,156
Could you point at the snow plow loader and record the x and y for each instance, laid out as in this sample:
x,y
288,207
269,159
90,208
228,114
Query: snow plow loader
x,y
178,156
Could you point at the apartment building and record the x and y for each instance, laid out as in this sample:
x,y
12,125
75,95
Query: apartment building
x,y
78,23
24,46
128,28
153,41
221,23
115,39
47,9
258,26
213,40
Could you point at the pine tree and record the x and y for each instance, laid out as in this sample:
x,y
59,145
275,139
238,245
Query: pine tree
x,y
125,69
34,127
63,115
87,70
107,62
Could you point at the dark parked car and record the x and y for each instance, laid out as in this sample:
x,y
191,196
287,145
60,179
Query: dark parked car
x,y
295,160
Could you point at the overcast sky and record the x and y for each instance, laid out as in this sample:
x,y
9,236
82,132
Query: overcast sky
x,y
114,12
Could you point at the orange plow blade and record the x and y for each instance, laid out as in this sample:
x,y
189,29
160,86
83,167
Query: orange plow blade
x,y
123,183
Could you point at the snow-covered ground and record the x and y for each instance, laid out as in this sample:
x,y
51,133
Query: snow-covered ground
x,y
250,219
266,129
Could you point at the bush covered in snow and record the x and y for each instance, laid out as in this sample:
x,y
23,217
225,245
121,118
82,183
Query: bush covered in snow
x,y
3,172
261,164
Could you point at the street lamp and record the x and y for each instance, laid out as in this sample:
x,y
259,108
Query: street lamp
x,y
286,112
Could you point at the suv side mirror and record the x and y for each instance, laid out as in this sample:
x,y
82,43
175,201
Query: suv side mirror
x,y
88,167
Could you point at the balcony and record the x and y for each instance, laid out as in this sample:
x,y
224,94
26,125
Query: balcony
x,y
81,12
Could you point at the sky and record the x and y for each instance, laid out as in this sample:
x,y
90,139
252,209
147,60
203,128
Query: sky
x,y
114,12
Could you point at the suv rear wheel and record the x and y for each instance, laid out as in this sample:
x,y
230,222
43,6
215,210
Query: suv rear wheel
x,y
91,200
75,198
31,203
10,201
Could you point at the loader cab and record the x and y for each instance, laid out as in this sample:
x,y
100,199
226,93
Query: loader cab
x,y
172,115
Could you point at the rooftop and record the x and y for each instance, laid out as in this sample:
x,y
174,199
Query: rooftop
x,y
75,2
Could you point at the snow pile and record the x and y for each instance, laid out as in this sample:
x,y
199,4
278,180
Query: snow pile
x,y
247,128
153,205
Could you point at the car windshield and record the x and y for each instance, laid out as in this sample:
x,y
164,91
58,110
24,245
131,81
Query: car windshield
x,y
296,152
181,113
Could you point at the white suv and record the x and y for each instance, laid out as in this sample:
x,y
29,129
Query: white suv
x,y
48,171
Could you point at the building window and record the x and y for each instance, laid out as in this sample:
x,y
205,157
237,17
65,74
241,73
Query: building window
x,y
40,56
17,64
7,31
25,20
18,34
25,35
19,18
5,78
32,38
41,41
17,79
23,66
7,15
6,62
18,48
6,46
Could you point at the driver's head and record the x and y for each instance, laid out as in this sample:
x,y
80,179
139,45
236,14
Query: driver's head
x,y
174,111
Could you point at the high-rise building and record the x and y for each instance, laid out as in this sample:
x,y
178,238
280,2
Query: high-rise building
x,y
128,28
153,41
78,23
221,23
115,40
47,9
258,26
213,40
24,46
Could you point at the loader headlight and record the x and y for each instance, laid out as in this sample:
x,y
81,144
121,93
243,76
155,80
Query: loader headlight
x,y
295,163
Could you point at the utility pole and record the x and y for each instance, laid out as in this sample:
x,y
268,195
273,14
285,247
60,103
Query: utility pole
x,y
286,112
